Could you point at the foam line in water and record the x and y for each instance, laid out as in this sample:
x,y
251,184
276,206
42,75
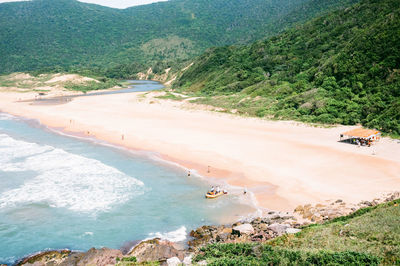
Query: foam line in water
x,y
178,235
5,116
63,180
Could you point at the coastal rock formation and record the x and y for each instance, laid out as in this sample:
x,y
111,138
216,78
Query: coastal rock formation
x,y
46,258
336,208
243,229
278,229
103,256
156,250
259,229
174,261
292,230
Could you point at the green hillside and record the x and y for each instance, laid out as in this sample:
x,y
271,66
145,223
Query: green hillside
x,y
370,236
67,34
340,68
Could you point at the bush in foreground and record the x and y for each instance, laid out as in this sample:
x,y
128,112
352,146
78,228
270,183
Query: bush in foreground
x,y
257,254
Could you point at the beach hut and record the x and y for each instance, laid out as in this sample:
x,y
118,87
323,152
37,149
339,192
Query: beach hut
x,y
361,136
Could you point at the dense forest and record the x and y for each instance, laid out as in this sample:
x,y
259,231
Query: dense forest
x,y
67,35
339,68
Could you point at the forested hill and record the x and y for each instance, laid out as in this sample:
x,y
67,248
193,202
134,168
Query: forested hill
x,y
340,68
70,35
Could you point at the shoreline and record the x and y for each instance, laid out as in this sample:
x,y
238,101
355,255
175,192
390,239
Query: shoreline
x,y
257,230
211,179
274,161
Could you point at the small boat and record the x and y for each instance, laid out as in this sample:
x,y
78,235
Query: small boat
x,y
211,195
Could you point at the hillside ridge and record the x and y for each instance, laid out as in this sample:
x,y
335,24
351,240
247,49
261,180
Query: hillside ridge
x,y
67,35
339,68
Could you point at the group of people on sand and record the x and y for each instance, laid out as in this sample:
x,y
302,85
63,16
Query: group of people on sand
x,y
217,190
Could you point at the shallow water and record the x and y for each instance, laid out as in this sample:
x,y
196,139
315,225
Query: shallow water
x,y
62,192
135,86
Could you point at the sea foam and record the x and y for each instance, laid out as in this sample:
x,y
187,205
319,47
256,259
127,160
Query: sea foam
x,y
4,116
173,236
64,179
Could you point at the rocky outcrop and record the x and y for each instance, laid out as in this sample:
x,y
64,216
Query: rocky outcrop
x,y
54,257
174,261
104,256
278,229
156,250
335,208
243,229
259,229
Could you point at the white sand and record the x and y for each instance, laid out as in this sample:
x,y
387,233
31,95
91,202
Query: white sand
x,y
283,163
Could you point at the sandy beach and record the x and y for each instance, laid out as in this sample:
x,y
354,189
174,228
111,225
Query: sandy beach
x,y
283,163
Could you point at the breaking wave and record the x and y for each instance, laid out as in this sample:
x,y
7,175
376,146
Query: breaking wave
x,y
63,179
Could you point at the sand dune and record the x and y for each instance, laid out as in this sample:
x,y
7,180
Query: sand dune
x,y
283,163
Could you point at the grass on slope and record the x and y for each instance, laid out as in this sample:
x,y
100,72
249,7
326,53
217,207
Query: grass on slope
x,y
374,230
369,236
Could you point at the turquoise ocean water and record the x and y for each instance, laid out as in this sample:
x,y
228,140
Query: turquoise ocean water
x,y
63,192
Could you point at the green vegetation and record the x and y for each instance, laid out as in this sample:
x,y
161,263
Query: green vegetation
x,y
92,85
171,96
67,35
374,230
23,82
132,261
339,68
257,254
370,236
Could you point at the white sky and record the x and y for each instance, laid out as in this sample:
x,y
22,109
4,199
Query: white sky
x,y
110,3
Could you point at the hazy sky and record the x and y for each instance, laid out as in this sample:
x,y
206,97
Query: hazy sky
x,y
110,3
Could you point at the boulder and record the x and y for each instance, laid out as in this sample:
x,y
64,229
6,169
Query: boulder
x,y
103,256
188,260
299,209
279,229
222,237
155,250
53,257
292,230
266,220
262,236
307,214
244,229
174,261
262,227
366,203
203,231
